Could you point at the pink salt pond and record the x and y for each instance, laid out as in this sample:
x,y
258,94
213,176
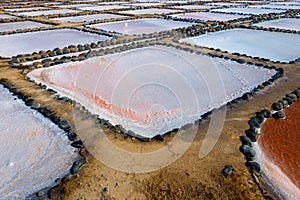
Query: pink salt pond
x,y
152,90
34,151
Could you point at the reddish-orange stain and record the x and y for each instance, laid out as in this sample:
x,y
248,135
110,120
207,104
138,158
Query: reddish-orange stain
x,y
117,110
280,141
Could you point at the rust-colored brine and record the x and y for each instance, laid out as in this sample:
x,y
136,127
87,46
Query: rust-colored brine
x,y
280,142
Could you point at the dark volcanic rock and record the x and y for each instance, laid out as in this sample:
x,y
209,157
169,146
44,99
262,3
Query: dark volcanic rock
x,y
284,103
254,123
105,189
292,96
64,125
131,133
120,129
246,96
44,111
77,165
35,105
55,119
266,113
253,134
259,118
254,167
72,136
279,115
277,106
246,141
29,102
248,151
289,100
297,93
227,170
77,144
159,138
241,61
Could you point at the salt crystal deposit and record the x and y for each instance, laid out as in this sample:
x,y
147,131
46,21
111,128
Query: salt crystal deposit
x,y
35,152
275,46
141,26
145,89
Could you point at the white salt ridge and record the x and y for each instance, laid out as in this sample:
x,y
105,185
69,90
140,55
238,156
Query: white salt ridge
x,y
141,26
143,4
275,46
154,89
292,3
194,7
280,7
247,11
104,7
209,16
20,25
225,4
46,12
88,18
151,11
276,179
75,5
26,9
5,16
35,152
285,23
44,40
112,3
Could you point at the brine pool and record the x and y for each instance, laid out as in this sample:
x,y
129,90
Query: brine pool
x,y
275,46
152,90
34,151
26,43
209,16
140,26
285,23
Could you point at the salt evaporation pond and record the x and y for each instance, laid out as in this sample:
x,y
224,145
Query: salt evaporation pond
x,y
100,8
35,152
26,9
46,12
285,23
225,4
275,46
141,26
87,18
44,40
293,3
278,148
209,16
194,7
5,16
74,5
247,11
151,11
280,7
112,2
143,4
20,25
146,89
